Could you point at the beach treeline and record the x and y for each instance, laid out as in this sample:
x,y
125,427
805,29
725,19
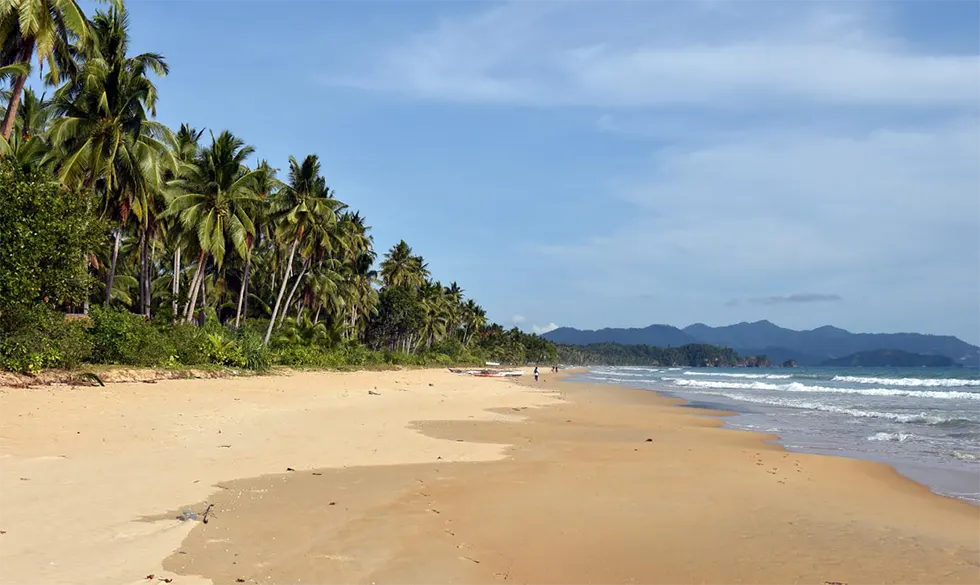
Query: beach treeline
x,y
693,355
125,241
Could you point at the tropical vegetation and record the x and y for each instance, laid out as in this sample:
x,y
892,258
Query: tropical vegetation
x,y
125,241
694,355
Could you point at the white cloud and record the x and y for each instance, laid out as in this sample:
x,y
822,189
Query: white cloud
x,y
888,220
593,54
792,147
542,329
518,319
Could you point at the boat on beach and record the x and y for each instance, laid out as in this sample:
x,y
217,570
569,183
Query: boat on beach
x,y
488,373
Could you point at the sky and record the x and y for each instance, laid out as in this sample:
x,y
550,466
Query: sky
x,y
619,164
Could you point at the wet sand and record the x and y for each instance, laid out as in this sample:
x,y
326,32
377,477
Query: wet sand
x,y
555,483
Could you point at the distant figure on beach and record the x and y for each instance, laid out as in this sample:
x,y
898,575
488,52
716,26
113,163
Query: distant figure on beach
x,y
535,373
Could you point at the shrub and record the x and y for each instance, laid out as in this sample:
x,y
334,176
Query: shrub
x,y
255,355
121,337
46,231
303,356
223,351
36,336
185,344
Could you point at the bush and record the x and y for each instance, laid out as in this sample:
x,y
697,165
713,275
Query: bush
x,y
255,355
46,232
121,337
35,337
304,356
185,344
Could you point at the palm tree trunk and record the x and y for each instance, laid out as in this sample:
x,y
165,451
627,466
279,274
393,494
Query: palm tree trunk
x,y
195,283
282,290
316,316
144,274
289,299
244,292
112,265
176,283
10,116
203,287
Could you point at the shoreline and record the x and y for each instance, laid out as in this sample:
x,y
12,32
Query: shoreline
x,y
496,481
912,470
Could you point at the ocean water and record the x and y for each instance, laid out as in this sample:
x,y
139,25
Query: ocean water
x,y
923,421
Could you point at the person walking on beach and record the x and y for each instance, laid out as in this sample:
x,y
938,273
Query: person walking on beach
x,y
535,373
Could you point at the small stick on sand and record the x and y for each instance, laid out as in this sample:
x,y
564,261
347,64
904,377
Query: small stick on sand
x,y
207,511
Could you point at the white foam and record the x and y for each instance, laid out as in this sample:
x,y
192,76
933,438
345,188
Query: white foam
x,y
799,387
899,437
962,456
750,376
921,417
927,382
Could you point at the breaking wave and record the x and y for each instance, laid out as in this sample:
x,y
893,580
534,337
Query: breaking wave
x,y
928,382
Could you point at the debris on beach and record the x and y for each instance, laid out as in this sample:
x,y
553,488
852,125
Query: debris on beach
x,y
373,393
648,441
185,516
290,469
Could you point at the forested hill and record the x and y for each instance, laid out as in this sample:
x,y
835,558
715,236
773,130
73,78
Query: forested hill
x,y
810,347
691,355
890,358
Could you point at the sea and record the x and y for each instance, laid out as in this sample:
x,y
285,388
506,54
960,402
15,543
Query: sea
x,y
925,422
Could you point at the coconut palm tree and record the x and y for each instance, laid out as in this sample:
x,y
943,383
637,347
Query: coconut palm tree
x,y
104,131
306,205
42,28
266,184
401,267
474,319
217,193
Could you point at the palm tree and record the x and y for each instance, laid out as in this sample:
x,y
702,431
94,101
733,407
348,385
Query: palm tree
x,y
306,205
185,151
474,319
104,131
266,184
218,191
401,267
45,28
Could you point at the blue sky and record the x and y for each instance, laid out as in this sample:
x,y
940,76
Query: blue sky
x,y
624,163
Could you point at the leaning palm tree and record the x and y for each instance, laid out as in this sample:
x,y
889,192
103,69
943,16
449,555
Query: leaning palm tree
x,y
217,192
306,205
45,28
266,184
104,132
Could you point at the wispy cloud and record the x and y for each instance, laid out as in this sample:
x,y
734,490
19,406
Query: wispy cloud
x,y
789,299
518,319
589,54
791,146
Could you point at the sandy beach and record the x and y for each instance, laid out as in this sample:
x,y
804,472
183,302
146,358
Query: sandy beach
x,y
423,476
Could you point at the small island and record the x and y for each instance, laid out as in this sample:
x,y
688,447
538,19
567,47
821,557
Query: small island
x,y
890,358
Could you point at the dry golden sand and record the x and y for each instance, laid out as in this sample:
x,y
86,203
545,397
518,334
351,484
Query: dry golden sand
x,y
556,483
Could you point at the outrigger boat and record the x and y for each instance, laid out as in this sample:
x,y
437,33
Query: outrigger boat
x,y
485,373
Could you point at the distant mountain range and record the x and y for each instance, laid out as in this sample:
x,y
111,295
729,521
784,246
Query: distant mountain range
x,y
779,344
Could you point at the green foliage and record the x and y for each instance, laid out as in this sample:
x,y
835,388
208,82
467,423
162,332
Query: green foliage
x,y
141,224
185,343
515,347
46,233
400,314
121,337
255,355
35,337
616,354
